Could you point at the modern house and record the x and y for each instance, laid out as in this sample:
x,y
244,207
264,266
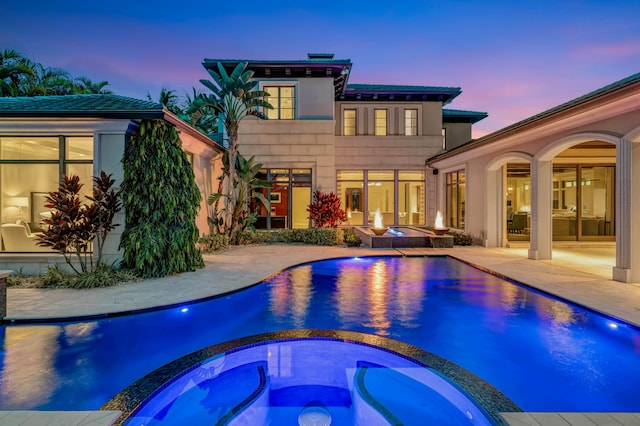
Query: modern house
x,y
365,142
42,138
563,176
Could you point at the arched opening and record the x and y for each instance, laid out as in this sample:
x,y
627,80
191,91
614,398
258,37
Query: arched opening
x,y
574,200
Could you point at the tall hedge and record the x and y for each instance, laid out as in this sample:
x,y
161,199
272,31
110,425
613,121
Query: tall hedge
x,y
161,201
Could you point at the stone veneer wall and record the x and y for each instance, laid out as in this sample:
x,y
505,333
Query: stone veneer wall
x,y
293,144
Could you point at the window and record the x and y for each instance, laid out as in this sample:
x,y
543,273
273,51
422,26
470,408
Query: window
x,y
363,192
30,167
283,101
444,138
380,118
288,199
455,183
349,118
410,122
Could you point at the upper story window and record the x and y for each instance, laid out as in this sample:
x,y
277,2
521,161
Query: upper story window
x,y
349,118
283,100
444,138
411,122
380,119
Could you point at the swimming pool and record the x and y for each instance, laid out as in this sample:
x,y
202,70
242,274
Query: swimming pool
x,y
543,353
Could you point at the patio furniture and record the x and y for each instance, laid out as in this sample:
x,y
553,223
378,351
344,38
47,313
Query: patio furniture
x,y
517,224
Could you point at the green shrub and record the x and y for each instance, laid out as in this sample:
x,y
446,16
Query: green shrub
x,y
213,242
461,238
351,239
161,202
103,276
317,236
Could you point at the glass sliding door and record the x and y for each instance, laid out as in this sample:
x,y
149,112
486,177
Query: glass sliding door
x,y
350,190
300,198
565,203
410,197
597,201
381,196
288,199
583,202
518,195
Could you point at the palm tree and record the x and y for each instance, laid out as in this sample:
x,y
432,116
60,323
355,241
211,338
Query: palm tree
x,y
203,119
47,81
169,99
13,70
234,98
85,85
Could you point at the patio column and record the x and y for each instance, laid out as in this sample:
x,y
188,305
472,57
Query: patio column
x,y
493,219
541,176
627,267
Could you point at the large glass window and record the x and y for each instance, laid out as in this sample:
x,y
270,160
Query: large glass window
x,y
518,196
583,202
411,122
411,198
380,118
381,195
289,199
351,193
456,196
30,168
349,117
363,192
565,203
597,190
283,100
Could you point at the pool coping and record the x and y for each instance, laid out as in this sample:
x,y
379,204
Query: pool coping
x,y
487,397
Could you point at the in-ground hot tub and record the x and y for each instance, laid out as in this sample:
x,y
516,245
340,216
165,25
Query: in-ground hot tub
x,y
306,377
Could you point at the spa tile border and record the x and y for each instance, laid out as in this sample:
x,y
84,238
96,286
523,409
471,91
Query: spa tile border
x,y
487,397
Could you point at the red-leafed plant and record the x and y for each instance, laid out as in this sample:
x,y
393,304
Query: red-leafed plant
x,y
73,226
324,210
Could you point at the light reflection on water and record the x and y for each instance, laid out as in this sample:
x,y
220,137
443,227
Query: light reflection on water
x,y
543,353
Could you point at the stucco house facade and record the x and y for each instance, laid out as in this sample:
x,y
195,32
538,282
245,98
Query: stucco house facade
x,y
367,143
42,138
563,176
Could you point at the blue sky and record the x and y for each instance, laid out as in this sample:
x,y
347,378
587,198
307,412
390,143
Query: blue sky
x,y
512,59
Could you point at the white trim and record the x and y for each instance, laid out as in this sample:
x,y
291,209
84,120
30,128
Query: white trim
x,y
552,150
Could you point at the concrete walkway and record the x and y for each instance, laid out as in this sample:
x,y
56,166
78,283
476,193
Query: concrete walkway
x,y
579,275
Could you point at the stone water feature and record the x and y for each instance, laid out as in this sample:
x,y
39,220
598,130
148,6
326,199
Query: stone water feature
x,y
380,236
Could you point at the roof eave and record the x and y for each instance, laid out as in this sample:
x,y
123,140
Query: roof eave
x,y
599,96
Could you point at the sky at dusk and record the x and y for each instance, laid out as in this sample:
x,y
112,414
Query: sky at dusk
x,y
512,58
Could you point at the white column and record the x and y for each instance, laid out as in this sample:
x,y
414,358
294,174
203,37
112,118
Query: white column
x,y
627,267
493,211
541,176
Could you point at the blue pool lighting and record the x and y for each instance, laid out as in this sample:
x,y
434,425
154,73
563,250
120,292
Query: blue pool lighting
x,y
543,353
395,232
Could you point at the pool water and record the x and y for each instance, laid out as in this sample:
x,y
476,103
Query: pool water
x,y
543,353
272,383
